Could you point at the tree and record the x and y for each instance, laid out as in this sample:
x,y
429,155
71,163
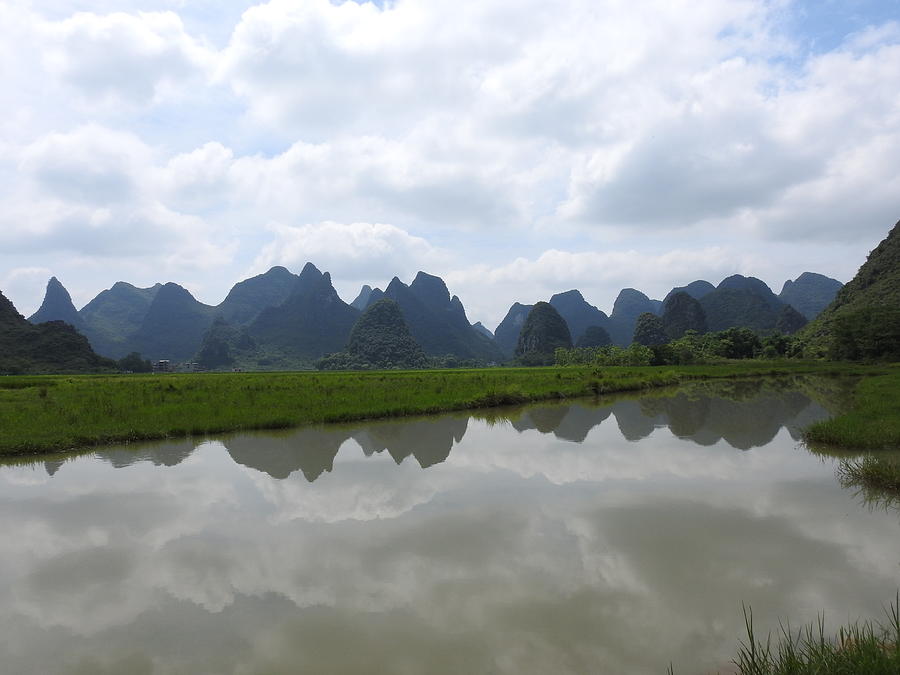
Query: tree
x,y
648,330
134,363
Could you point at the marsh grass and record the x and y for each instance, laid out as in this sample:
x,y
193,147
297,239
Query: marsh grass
x,y
873,421
53,413
861,648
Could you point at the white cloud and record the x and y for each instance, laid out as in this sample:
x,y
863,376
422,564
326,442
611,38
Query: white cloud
x,y
357,252
486,131
133,58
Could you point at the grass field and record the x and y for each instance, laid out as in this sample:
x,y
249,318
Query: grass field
x,y
53,413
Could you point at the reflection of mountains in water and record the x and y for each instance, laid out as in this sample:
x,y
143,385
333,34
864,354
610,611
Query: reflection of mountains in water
x,y
312,451
745,414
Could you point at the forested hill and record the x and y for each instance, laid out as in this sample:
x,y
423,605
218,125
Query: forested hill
x,y
50,347
863,321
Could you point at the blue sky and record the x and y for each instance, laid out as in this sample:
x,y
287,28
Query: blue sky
x,y
516,149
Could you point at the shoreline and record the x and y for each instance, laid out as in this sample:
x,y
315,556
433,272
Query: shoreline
x,y
58,414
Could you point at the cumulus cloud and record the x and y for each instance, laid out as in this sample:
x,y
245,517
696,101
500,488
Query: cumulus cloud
x,y
488,131
126,57
351,251
91,192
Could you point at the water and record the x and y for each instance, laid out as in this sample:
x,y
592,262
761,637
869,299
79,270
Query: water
x,y
609,538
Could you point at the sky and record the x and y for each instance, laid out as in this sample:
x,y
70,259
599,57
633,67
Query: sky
x,y
516,149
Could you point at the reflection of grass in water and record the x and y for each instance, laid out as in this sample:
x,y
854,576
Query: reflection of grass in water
x,y
860,648
876,477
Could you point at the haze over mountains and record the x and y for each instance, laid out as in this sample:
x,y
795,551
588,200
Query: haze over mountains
x,y
280,319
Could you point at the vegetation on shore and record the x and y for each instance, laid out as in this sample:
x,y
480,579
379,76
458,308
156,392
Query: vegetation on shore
x,y
49,413
867,647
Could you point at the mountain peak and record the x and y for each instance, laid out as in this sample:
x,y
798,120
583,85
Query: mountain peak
x,y
57,306
430,289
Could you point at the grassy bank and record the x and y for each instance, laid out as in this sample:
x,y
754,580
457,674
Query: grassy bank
x,y
50,413
859,648
872,423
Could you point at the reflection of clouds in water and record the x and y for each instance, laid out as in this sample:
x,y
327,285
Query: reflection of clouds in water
x,y
212,566
362,490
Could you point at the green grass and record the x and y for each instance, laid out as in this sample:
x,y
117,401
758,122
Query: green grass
x,y
858,649
53,413
873,421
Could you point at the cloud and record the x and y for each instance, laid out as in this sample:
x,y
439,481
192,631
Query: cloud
x,y
352,252
134,58
92,192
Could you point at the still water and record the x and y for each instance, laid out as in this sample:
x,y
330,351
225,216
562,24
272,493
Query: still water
x,y
606,537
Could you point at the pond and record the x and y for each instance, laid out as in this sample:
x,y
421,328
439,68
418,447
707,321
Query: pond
x,y
613,536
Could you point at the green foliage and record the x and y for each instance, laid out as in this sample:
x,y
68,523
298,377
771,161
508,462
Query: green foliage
x,y
649,330
866,334
380,340
50,347
692,347
77,411
133,363
609,355
863,321
858,649
543,332
873,421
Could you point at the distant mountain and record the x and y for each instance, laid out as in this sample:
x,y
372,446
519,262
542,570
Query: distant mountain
x,y
312,322
863,321
362,299
484,331
695,289
744,302
594,336
682,313
578,313
629,305
224,344
110,319
57,306
173,327
248,298
506,335
49,347
789,321
380,339
437,321
810,293
544,331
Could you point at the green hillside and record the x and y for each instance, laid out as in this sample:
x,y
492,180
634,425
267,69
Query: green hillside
x,y
52,347
863,321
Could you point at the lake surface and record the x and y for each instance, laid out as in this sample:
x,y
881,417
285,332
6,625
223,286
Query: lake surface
x,y
612,537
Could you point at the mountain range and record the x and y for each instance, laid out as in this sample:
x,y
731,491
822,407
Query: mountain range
x,y
284,320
